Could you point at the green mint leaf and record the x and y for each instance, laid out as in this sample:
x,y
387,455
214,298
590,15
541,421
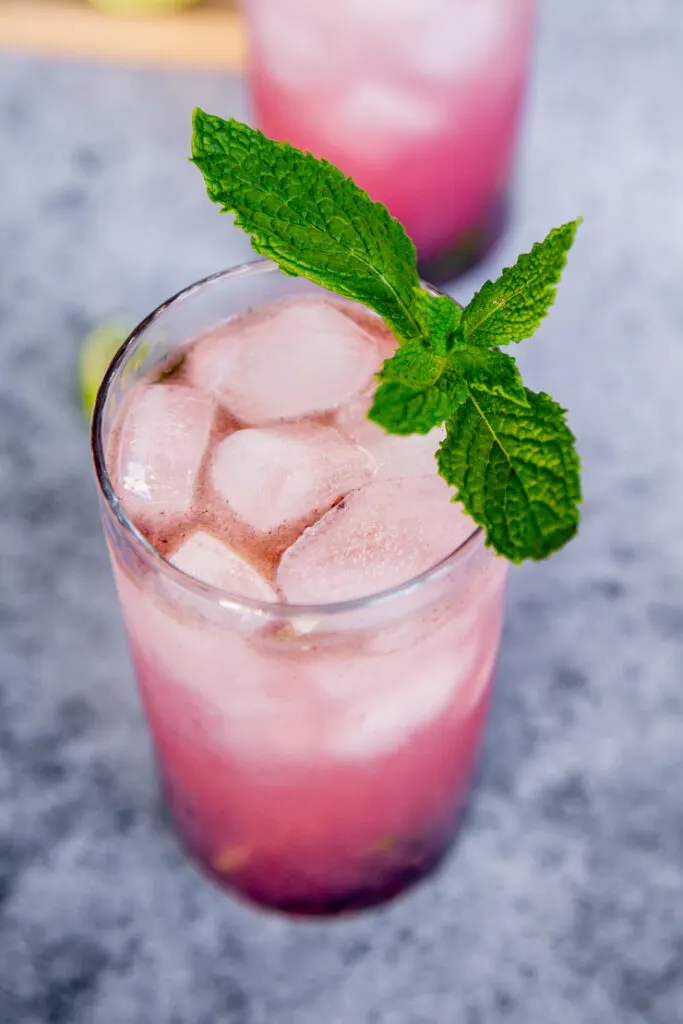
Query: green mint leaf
x,y
420,389
488,370
417,410
516,472
413,365
439,317
511,308
426,388
309,218
419,385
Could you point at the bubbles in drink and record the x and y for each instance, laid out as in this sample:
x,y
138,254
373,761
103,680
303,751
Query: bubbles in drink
x,y
163,436
273,477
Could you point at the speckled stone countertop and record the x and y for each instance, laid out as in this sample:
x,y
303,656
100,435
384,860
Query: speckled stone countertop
x,y
563,903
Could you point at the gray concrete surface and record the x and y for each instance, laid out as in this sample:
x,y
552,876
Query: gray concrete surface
x,y
563,903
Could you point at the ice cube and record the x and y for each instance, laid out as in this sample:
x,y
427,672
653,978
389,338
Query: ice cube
x,y
353,420
383,717
210,655
392,455
211,561
379,699
464,41
385,12
414,455
428,685
389,25
302,358
242,697
272,477
294,50
163,438
377,116
380,536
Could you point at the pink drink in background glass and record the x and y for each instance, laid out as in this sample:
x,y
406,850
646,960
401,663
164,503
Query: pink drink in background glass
x,y
417,100
314,624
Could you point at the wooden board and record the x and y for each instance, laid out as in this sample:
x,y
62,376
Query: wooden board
x,y
207,37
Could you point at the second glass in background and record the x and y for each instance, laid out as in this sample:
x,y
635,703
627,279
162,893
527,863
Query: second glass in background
x,y
418,100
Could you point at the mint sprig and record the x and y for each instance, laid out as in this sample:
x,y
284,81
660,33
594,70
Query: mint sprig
x,y
508,451
304,214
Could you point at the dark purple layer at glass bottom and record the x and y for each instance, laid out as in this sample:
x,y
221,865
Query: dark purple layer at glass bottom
x,y
378,890
386,877
469,249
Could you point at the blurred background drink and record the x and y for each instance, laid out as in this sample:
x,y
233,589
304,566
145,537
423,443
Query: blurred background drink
x,y
418,100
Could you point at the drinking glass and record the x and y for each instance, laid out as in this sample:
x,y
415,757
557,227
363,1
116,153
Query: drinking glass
x,y
316,759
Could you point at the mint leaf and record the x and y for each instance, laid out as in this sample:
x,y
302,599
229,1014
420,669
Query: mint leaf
x,y
511,308
308,217
516,472
439,317
413,365
420,389
420,384
489,370
404,410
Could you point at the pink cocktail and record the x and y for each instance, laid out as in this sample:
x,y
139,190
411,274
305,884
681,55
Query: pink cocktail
x,y
418,101
314,624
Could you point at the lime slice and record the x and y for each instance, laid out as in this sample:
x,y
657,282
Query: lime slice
x,y
97,351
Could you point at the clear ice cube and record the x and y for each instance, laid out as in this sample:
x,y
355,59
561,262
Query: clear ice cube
x,y
464,41
273,477
380,536
164,435
302,358
297,54
393,455
210,560
376,117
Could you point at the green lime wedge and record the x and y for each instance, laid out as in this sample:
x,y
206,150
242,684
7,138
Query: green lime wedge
x,y
97,351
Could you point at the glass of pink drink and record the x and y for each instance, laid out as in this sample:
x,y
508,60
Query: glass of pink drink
x,y
418,101
314,624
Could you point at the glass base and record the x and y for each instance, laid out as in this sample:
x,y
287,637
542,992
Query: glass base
x,y
469,249
392,870
415,864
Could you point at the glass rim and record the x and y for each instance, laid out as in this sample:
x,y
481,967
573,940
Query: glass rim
x,y
157,561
